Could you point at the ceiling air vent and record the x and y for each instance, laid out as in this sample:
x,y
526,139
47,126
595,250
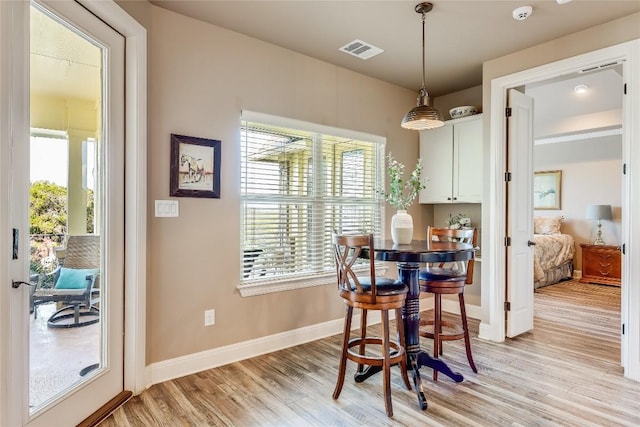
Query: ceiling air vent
x,y
360,49
599,67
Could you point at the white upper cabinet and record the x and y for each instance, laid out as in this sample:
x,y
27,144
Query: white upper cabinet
x,y
452,159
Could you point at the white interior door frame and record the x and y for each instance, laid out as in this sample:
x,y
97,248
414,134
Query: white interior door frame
x,y
492,326
135,263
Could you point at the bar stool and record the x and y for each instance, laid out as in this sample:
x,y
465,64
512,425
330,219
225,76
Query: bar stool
x,y
441,279
369,293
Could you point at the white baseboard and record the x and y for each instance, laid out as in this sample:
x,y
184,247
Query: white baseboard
x,y
201,361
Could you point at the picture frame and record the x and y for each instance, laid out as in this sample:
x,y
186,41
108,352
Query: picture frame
x,y
195,167
547,189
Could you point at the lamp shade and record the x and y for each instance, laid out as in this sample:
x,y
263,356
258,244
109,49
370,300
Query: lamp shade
x,y
599,212
422,117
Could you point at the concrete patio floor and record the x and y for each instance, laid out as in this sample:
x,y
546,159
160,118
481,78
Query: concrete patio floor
x,y
58,355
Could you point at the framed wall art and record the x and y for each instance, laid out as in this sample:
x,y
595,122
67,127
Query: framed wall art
x,y
547,189
195,167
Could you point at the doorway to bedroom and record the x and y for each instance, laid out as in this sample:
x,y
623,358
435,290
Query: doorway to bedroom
x,y
577,161
577,197
501,292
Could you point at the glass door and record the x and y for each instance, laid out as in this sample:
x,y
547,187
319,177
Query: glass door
x,y
75,309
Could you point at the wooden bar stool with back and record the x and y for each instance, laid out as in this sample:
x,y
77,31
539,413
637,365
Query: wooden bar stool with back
x,y
369,293
442,279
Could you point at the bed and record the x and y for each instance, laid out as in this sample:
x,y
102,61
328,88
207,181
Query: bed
x,y
553,252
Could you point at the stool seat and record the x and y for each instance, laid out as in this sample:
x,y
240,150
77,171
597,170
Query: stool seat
x,y
384,285
442,274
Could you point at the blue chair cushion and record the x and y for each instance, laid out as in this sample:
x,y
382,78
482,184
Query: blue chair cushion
x,y
74,278
442,275
383,285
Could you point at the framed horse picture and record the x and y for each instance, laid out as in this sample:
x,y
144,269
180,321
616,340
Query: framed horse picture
x,y
195,167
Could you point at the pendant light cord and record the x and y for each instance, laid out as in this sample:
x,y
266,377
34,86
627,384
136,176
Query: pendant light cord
x,y
424,90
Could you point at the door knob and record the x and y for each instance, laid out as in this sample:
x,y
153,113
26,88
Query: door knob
x,y
15,284
530,243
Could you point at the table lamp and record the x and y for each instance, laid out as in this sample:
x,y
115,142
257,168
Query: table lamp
x,y
599,212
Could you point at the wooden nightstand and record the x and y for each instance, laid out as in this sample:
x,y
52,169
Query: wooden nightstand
x,y
601,264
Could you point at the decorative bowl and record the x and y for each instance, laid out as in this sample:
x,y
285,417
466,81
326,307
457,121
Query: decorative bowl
x,y
465,110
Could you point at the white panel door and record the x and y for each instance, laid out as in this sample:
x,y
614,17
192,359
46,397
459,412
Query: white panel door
x,y
520,214
94,384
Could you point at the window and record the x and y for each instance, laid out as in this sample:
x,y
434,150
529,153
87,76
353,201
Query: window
x,y
299,182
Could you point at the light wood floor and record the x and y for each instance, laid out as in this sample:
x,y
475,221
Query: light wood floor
x,y
565,372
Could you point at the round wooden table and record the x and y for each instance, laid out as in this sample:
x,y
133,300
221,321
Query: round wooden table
x,y
408,259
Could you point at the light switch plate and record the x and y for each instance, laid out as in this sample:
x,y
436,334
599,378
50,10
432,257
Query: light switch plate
x,y
167,208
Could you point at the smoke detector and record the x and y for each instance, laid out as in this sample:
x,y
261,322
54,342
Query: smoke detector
x,y
522,13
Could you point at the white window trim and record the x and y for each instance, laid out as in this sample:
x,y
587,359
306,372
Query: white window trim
x,y
319,279
281,285
252,116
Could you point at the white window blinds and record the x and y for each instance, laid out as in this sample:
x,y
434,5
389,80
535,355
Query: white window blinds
x,y
299,182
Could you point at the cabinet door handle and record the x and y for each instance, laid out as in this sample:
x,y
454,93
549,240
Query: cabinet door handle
x,y
455,198
448,198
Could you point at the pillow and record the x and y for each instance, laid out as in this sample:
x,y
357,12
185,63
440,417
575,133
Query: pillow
x,y
74,278
547,224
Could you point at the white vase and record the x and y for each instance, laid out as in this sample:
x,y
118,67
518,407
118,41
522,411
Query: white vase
x,y
402,228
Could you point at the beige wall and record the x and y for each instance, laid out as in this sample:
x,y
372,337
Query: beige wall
x,y
200,79
471,96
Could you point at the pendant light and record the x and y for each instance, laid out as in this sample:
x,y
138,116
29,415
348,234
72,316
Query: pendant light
x,y
423,116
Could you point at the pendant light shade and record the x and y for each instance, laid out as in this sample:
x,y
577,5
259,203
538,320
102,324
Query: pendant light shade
x,y
423,116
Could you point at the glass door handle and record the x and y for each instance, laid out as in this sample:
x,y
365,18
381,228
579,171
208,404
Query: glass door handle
x,y
15,284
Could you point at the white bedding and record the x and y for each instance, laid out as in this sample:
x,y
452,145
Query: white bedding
x,y
551,251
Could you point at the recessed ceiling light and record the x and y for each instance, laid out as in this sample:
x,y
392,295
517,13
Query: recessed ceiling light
x,y
581,89
562,1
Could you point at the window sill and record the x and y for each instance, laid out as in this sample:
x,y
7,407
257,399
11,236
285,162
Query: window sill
x,y
272,286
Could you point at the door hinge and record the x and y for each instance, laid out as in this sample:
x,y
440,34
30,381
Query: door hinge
x,y
625,88
507,306
507,241
507,176
623,329
624,169
507,112
624,248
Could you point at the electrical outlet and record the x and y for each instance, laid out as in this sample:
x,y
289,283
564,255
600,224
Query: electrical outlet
x,y
209,317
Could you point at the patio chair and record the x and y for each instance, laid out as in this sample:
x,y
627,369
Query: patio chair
x,y
76,285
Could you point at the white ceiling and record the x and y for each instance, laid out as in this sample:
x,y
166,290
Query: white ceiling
x,y
560,111
461,35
